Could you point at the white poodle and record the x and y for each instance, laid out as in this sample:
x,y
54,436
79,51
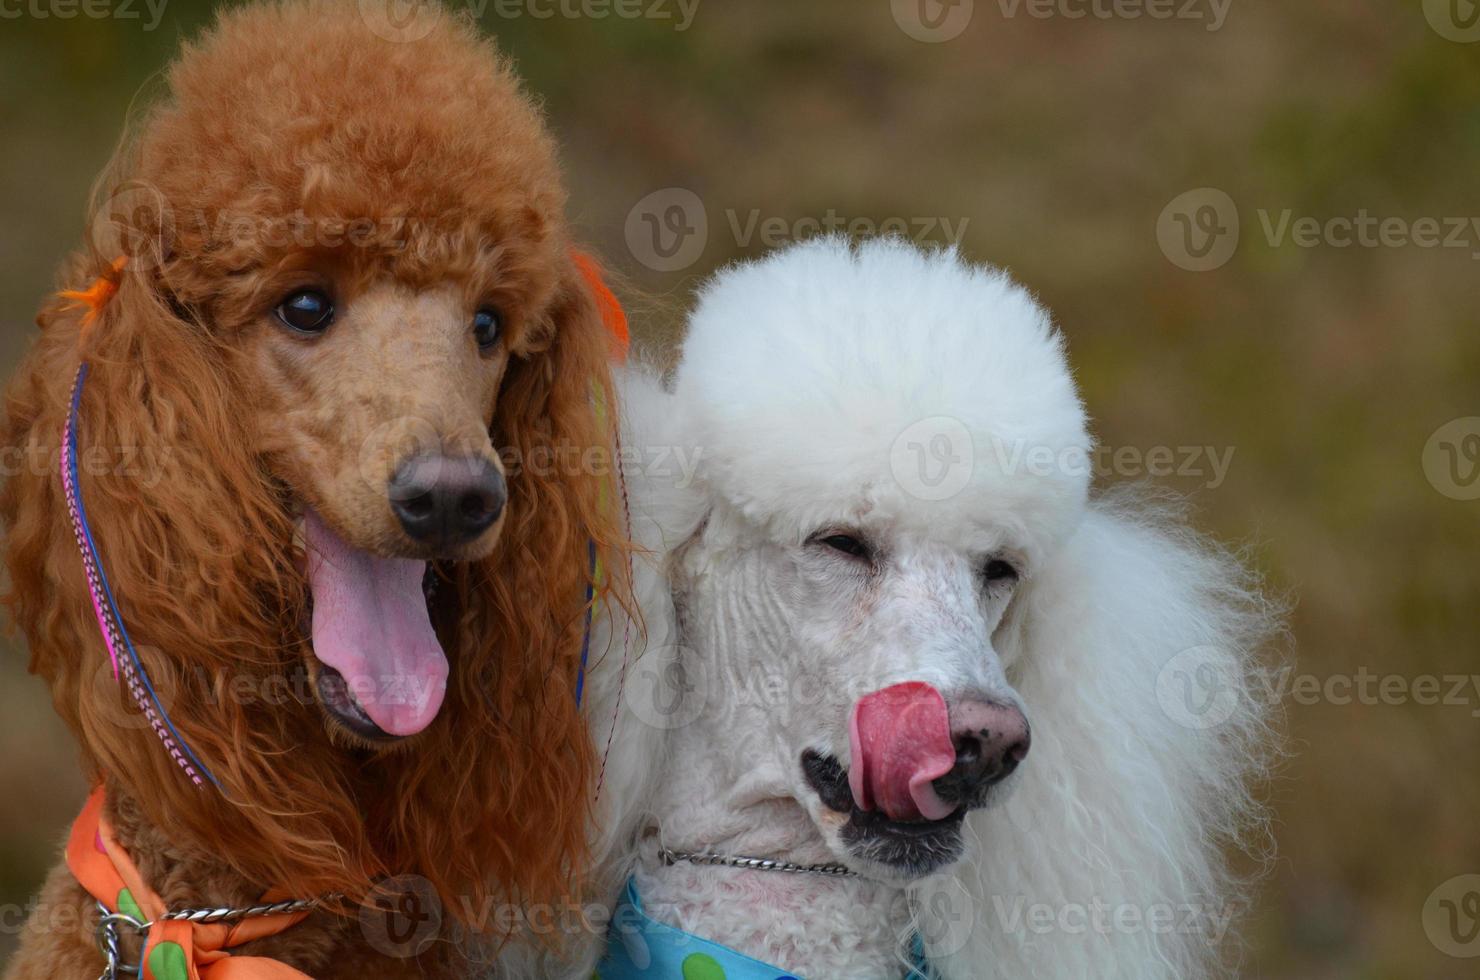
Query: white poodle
x,y
1008,727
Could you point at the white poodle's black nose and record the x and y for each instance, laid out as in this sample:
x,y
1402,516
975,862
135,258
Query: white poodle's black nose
x,y
445,501
991,740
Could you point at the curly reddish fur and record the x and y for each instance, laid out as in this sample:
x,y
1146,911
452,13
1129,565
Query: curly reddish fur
x,y
288,117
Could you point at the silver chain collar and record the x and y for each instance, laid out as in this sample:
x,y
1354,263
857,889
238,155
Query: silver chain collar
x,y
107,937
109,922
755,864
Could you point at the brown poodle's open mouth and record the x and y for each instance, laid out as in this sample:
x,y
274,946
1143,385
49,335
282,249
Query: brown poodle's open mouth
x,y
339,703
381,671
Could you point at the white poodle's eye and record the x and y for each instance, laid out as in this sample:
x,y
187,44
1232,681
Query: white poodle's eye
x,y
997,570
847,544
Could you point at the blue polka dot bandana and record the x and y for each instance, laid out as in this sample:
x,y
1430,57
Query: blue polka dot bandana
x,y
641,948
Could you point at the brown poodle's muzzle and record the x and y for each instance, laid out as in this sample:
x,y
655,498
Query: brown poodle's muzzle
x,y
380,421
446,502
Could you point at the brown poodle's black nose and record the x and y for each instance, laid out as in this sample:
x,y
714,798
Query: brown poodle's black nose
x,y
990,739
444,501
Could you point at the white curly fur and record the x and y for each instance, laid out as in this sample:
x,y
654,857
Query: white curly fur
x,y
1103,856
1130,797
626,653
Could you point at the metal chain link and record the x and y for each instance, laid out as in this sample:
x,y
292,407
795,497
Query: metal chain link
x,y
756,864
107,937
108,923
207,916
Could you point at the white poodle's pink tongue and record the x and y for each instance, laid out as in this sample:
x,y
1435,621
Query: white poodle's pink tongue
x,y
370,623
901,743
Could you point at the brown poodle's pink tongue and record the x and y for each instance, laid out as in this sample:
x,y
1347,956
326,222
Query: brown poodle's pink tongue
x,y
901,743
370,623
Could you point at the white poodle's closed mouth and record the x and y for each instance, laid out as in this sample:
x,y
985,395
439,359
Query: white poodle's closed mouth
x,y
919,769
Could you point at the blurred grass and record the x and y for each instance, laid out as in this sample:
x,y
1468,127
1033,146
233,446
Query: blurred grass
x,y
1325,369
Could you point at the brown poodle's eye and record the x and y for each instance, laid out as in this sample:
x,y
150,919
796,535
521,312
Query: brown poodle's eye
x,y
998,570
307,311
488,323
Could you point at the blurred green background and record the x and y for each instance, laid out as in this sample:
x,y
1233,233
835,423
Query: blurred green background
x,y
1056,143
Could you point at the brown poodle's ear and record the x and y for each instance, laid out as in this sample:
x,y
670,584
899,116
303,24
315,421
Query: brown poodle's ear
x,y
556,421
196,544
523,611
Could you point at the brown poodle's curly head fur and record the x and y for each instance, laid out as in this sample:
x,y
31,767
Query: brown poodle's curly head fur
x,y
408,184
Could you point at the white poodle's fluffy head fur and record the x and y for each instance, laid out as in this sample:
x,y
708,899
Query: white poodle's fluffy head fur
x,y
893,495
884,435
887,383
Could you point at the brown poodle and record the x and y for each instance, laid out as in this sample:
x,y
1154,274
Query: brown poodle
x,y
342,366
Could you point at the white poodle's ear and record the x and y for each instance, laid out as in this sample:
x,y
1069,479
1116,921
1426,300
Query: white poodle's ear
x,y
662,502
628,659
662,463
1136,649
